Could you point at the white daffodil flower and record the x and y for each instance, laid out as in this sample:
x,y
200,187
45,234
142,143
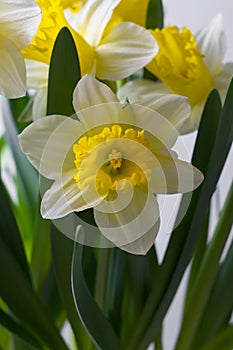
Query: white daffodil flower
x,y
19,21
113,159
107,49
188,66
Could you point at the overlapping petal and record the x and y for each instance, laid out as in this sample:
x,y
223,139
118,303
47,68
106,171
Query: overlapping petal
x,y
211,41
48,144
93,18
18,24
127,48
19,21
12,70
133,228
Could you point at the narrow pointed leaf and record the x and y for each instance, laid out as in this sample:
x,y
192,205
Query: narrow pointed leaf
x,y
64,74
184,238
223,340
9,232
92,316
24,302
12,326
62,250
154,14
27,175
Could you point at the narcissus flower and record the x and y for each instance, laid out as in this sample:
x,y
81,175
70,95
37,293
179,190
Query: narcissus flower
x,y
19,21
108,49
187,65
113,159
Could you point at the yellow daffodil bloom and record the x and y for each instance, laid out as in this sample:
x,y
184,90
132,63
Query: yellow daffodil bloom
x,y
107,50
19,21
187,65
112,158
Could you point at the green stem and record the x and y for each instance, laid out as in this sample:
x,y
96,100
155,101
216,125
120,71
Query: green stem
x,y
102,277
206,277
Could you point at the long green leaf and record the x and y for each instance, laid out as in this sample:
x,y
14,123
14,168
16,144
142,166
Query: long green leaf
x,y
205,278
154,17
184,238
9,232
64,73
223,340
62,250
12,326
27,175
16,291
219,308
92,317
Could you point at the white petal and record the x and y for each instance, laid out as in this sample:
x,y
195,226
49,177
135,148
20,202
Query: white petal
x,y
12,70
211,42
192,122
64,197
93,18
90,92
95,103
133,228
40,103
37,74
152,122
135,89
173,107
19,21
127,48
174,176
222,80
48,144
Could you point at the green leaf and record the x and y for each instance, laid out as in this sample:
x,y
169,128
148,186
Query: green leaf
x,y
18,294
62,250
219,307
154,14
12,326
9,232
210,159
41,247
205,279
64,73
27,175
223,340
92,316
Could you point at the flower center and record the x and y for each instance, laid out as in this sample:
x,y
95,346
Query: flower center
x,y
180,65
111,158
115,159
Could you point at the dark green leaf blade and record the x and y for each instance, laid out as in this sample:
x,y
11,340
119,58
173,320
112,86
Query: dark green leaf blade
x,y
92,317
24,302
154,17
183,239
62,250
9,232
64,74
11,325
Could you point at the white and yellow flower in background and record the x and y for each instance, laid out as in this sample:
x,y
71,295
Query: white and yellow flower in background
x,y
186,65
108,47
19,21
113,158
